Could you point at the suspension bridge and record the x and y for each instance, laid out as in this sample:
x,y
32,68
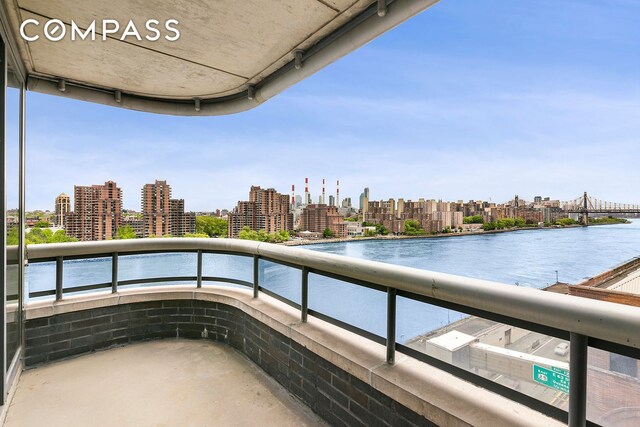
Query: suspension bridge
x,y
586,205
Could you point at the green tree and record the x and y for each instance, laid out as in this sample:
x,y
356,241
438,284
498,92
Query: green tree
x,y
41,224
39,235
381,229
413,228
281,236
370,233
520,222
248,234
566,221
488,226
60,237
126,232
201,235
261,236
475,219
211,226
12,236
327,233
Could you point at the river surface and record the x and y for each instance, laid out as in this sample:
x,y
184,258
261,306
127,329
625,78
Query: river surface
x,y
524,258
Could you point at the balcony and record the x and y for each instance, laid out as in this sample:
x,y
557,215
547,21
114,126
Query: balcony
x,y
155,383
343,370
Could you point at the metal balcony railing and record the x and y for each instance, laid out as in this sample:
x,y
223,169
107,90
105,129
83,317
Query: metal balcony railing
x,y
584,322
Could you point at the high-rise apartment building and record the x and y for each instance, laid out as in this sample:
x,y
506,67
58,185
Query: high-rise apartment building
x,y
265,210
163,215
317,218
97,212
156,208
63,207
180,223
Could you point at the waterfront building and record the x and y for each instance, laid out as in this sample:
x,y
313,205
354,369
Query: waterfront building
x,y
63,207
97,212
317,218
265,210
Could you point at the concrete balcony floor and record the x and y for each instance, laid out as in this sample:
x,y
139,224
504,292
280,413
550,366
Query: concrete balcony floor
x,y
158,383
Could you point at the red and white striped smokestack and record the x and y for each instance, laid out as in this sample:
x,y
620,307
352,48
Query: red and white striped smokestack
x,y
306,191
338,193
293,195
323,190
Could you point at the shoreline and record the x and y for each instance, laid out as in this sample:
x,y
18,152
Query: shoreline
x,y
303,242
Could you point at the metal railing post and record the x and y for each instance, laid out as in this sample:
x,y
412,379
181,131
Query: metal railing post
x,y
58,278
199,285
256,275
391,325
578,380
114,272
304,300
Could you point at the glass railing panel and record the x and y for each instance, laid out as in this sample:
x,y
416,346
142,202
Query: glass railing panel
x,y
355,305
161,266
78,273
227,266
281,280
531,363
40,277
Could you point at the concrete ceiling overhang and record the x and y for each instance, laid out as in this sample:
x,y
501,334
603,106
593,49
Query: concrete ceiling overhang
x,y
231,55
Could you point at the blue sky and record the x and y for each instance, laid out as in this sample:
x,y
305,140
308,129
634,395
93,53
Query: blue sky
x,y
469,100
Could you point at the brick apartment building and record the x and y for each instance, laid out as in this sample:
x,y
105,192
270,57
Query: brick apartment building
x,y
162,215
265,210
97,212
317,218
432,215
155,209
180,222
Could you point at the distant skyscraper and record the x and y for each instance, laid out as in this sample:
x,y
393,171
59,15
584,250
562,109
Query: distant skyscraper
x,y
364,195
332,200
156,209
63,207
97,212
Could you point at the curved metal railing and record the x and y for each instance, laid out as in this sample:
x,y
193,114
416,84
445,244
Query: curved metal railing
x,y
585,322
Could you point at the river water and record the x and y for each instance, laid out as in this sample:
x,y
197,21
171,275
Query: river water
x,y
524,258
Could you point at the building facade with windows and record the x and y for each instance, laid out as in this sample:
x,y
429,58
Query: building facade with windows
x,y
97,213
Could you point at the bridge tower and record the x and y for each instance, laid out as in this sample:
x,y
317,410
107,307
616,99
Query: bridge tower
x,y
585,209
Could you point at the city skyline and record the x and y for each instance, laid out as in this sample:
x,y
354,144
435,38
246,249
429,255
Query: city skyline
x,y
330,192
484,112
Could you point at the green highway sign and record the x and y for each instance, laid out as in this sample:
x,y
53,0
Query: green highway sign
x,y
552,377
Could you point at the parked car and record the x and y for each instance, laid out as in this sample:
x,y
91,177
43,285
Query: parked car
x,y
562,349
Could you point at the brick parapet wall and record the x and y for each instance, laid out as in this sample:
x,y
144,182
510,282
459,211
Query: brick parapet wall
x,y
340,375
337,396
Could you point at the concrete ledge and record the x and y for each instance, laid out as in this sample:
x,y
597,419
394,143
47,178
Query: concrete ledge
x,y
340,375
